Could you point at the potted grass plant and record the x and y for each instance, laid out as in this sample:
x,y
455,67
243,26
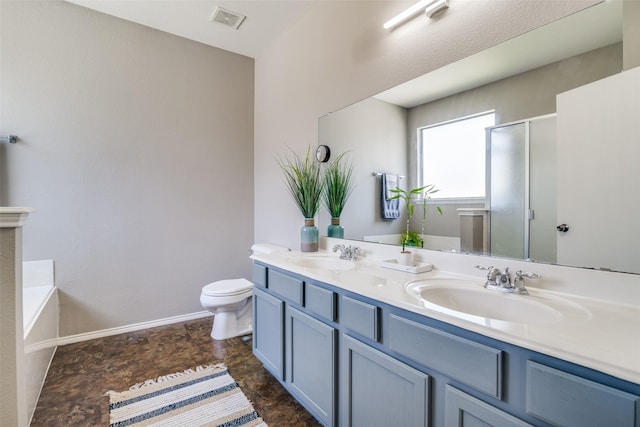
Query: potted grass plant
x,y
303,178
338,186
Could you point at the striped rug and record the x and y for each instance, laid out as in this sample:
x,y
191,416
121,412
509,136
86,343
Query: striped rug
x,y
205,396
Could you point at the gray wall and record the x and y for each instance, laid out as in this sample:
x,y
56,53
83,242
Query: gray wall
x,y
137,154
374,130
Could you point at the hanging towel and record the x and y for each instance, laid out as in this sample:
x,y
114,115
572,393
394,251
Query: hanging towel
x,y
390,208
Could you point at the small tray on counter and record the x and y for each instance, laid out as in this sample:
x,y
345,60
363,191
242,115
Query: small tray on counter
x,y
413,267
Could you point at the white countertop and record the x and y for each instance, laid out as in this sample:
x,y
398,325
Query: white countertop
x,y
604,337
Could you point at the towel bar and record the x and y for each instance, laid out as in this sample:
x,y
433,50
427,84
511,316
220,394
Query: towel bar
x,y
380,174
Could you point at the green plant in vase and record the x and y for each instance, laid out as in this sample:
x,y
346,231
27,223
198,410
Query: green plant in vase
x,y
408,237
304,181
338,186
412,238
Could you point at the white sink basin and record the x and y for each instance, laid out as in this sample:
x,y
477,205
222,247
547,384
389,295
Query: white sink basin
x,y
323,262
467,298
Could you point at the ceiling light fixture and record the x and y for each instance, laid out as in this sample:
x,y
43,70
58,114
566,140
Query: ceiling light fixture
x,y
431,8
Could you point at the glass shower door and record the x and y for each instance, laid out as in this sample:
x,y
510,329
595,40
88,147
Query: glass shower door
x,y
508,188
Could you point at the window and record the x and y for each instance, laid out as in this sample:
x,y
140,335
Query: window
x,y
451,156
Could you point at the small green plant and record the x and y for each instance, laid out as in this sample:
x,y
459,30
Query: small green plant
x,y
338,185
411,238
304,181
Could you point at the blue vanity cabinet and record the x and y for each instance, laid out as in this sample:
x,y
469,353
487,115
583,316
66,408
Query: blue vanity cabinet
x,y
473,364
378,390
355,361
259,274
567,400
268,331
361,318
463,410
295,338
311,363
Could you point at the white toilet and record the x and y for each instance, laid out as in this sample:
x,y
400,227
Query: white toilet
x,y
230,302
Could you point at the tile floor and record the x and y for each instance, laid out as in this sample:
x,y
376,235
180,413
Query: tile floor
x,y
81,373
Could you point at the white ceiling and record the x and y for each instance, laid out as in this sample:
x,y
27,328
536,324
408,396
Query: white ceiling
x,y
589,29
592,28
190,19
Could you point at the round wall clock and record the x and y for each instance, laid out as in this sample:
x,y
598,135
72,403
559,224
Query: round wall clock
x,y
323,153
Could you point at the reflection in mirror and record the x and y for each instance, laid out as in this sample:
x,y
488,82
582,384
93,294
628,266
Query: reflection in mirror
x,y
518,81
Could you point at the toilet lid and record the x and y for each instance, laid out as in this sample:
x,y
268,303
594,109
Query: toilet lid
x,y
228,287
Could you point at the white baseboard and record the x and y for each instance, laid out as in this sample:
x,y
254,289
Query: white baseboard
x,y
130,328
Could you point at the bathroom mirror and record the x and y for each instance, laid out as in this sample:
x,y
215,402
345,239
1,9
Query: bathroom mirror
x,y
518,80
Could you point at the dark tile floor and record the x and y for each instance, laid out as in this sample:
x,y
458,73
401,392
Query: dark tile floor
x,y
81,373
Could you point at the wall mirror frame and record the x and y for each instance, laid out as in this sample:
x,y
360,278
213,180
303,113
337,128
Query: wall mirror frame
x,y
519,81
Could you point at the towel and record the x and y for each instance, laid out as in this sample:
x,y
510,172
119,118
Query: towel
x,y
390,209
391,181
266,248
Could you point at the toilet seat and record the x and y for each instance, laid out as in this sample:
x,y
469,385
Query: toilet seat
x,y
225,288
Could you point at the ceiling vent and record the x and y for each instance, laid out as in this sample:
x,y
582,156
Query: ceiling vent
x,y
227,17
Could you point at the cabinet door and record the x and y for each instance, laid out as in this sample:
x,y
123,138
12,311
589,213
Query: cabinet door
x,y
462,410
378,390
563,399
268,332
311,355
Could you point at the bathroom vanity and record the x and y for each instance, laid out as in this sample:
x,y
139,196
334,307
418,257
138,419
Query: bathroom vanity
x,y
357,347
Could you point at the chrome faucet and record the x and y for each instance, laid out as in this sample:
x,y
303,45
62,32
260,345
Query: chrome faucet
x,y
495,277
518,282
347,252
502,280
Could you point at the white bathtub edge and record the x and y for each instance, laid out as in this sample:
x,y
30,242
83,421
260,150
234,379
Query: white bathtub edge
x,y
40,344
29,323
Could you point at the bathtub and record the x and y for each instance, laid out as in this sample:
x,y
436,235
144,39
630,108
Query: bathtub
x,y
40,324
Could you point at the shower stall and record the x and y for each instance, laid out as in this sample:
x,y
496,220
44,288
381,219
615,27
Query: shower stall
x,y
521,189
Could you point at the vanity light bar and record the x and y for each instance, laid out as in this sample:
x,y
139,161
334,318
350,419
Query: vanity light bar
x,y
431,9
436,8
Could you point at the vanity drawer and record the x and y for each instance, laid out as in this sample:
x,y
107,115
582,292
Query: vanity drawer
x,y
473,364
320,301
564,399
361,317
259,275
285,286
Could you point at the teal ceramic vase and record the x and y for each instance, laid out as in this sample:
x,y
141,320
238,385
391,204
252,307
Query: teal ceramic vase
x,y
309,236
335,229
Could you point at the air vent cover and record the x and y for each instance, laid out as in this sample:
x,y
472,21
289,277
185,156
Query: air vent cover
x,y
227,17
